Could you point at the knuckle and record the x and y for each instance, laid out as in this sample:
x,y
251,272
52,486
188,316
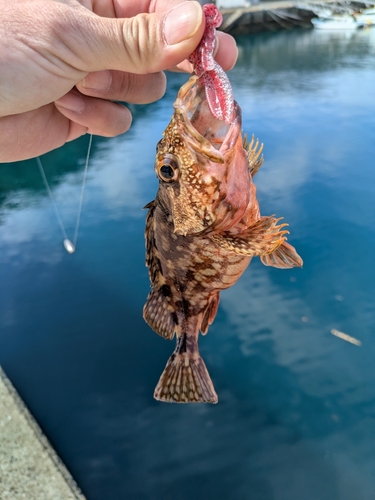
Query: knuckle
x,y
142,38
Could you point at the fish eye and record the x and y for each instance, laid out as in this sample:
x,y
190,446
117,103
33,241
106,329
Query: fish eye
x,y
168,170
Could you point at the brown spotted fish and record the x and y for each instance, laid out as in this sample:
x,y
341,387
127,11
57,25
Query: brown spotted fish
x,y
202,231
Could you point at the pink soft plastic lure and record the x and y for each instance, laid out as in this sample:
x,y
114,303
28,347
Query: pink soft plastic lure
x,y
219,91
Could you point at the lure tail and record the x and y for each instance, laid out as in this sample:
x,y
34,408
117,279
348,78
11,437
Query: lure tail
x,y
185,379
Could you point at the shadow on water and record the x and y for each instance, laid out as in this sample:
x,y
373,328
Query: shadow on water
x,y
296,412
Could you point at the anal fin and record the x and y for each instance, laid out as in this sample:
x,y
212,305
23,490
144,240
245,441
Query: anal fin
x,y
158,315
185,379
210,314
284,257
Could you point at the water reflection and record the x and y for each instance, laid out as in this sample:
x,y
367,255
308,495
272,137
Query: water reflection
x,y
307,50
296,412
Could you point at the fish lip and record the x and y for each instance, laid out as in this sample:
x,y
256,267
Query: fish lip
x,y
185,106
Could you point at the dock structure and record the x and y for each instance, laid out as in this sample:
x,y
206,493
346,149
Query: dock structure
x,y
276,15
29,467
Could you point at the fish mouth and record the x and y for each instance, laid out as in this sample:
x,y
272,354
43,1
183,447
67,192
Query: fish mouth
x,y
219,155
205,134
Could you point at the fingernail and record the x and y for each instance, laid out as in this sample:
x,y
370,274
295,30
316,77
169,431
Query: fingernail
x,y
182,22
71,101
98,80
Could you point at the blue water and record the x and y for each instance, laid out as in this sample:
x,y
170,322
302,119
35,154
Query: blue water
x,y
296,412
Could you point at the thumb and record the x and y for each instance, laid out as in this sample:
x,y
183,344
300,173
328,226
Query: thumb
x,y
146,43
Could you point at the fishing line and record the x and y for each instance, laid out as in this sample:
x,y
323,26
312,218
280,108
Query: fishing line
x,y
69,246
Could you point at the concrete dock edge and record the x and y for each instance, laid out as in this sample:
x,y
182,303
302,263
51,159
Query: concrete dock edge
x,y
29,467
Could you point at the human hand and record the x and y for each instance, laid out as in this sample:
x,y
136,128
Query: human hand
x,y
63,62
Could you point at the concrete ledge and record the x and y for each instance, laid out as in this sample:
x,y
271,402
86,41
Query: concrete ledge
x,y
29,467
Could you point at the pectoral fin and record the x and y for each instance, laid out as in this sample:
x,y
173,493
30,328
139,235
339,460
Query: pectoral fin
x,y
262,238
284,257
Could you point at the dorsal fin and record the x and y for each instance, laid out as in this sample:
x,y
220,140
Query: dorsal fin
x,y
157,312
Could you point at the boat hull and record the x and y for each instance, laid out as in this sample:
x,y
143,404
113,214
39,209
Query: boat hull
x,y
335,24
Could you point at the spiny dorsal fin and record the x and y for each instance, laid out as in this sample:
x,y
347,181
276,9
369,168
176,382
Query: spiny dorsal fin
x,y
152,263
253,153
150,204
185,380
157,311
262,238
284,257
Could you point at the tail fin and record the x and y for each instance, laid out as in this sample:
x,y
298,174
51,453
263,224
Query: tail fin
x,y
185,380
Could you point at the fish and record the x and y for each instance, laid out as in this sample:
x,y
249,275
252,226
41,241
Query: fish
x,y
202,230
